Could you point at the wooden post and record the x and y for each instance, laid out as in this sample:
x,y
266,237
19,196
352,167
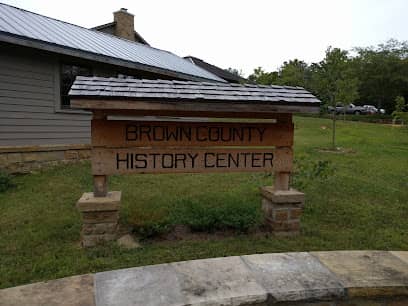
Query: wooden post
x,y
282,179
100,182
283,206
100,188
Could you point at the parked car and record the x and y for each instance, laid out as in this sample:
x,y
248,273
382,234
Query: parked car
x,y
371,109
349,109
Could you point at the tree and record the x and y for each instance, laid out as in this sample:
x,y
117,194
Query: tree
x,y
294,73
235,71
383,72
400,110
400,104
291,73
335,82
259,76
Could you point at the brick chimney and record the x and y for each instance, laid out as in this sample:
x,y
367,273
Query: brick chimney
x,y
125,24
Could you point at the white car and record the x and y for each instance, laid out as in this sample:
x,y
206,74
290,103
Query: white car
x,y
371,109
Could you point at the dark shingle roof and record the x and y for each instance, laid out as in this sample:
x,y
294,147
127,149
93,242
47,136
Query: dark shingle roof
x,y
111,26
21,27
129,88
222,73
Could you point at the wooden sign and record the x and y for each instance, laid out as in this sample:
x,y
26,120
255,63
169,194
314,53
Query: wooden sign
x,y
106,161
118,133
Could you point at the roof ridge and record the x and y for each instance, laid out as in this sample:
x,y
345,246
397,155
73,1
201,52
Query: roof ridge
x,y
183,82
101,34
82,27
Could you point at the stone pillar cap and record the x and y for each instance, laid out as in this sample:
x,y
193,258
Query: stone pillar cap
x,y
283,196
88,202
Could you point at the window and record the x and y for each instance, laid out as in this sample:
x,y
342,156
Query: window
x,y
68,74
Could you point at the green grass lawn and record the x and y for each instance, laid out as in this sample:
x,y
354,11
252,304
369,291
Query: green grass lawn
x,y
362,204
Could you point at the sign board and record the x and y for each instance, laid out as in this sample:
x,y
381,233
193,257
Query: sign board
x,y
106,161
118,133
125,147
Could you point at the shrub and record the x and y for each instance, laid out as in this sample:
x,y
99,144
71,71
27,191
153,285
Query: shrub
x,y
308,172
223,213
400,105
5,181
149,223
403,116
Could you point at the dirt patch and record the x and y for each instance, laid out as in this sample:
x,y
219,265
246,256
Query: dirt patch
x,y
337,150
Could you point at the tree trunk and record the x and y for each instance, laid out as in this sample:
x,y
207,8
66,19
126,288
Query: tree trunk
x,y
334,131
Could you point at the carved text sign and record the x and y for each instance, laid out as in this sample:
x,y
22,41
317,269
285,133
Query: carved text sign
x,y
137,160
125,147
117,133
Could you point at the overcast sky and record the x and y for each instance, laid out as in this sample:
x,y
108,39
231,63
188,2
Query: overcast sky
x,y
244,34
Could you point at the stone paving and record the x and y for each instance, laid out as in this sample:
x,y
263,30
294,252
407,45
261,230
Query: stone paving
x,y
375,278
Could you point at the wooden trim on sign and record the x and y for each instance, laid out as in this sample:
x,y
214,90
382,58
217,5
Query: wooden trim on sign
x,y
192,114
107,161
120,133
191,106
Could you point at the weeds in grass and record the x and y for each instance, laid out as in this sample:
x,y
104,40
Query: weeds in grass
x,y
6,181
207,214
220,213
308,171
149,223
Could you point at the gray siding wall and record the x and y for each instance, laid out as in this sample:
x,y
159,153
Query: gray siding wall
x,y
29,104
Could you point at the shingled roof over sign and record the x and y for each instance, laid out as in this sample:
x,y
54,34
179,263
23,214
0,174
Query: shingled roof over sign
x,y
129,88
29,29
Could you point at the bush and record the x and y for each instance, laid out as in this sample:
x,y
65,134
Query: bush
x,y
149,223
207,214
222,214
5,181
308,172
403,116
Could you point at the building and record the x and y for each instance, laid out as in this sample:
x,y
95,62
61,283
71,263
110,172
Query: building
x,y
123,26
40,58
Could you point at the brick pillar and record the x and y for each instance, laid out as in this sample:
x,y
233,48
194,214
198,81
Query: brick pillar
x,y
282,205
282,209
100,217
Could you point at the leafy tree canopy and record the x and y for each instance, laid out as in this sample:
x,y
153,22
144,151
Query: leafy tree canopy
x,y
373,75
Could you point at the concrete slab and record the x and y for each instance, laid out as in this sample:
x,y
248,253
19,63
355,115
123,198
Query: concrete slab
x,y
219,281
144,286
294,277
368,273
69,291
401,255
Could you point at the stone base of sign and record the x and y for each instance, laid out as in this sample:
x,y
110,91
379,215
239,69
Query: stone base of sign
x,y
100,217
282,209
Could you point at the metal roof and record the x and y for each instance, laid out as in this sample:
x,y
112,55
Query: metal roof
x,y
112,25
130,88
22,27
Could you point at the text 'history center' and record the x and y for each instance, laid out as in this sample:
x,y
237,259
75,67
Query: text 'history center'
x,y
194,160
